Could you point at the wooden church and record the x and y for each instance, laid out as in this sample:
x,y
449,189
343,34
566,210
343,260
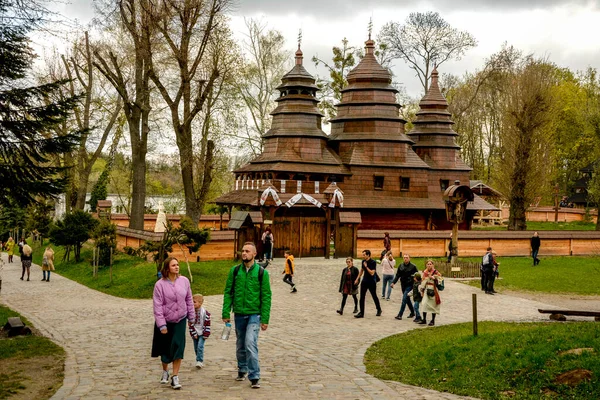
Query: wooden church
x,y
368,173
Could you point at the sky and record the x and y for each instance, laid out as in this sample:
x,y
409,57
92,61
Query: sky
x,y
564,31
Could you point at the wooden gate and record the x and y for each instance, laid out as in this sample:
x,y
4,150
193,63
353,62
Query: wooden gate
x,y
344,242
302,230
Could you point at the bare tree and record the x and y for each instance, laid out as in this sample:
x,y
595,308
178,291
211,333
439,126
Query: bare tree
x,y
186,30
80,71
136,19
425,40
261,73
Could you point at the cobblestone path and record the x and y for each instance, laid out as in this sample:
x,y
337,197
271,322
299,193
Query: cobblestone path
x,y
308,352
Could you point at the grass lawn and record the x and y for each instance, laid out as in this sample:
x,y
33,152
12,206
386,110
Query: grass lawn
x,y
517,361
30,366
552,275
134,278
543,226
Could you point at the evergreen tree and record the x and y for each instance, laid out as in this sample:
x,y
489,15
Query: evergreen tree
x,y
29,148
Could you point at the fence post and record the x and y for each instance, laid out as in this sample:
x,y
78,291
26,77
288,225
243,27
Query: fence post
x,y
111,263
474,314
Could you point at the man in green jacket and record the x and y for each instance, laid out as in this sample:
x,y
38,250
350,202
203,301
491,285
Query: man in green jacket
x,y
249,295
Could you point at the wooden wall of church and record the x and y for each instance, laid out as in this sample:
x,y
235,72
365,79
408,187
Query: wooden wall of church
x,y
393,220
301,229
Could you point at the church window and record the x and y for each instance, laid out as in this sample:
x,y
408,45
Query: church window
x,y
444,183
404,183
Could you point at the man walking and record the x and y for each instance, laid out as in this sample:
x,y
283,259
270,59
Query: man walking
x,y
405,273
369,283
248,294
487,272
535,248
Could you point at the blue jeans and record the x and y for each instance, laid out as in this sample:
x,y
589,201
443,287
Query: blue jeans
x,y
199,348
44,274
247,328
417,304
534,254
387,281
406,301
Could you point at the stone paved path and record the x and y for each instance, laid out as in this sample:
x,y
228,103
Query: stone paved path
x,y
308,352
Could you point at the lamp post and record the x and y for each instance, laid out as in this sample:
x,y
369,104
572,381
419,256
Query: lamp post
x,y
456,198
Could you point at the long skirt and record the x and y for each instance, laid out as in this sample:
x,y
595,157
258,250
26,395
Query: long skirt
x,y
171,345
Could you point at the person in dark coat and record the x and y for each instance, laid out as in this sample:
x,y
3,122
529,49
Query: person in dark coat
x,y
404,274
348,285
535,248
368,283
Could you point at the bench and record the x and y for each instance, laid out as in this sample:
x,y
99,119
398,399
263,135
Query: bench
x,y
559,315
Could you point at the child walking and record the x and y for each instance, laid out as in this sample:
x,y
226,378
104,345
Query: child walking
x,y
200,329
417,296
289,270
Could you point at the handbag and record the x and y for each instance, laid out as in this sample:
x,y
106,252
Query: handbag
x,y
440,286
430,292
377,278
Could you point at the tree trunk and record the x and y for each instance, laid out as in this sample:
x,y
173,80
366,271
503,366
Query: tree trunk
x,y
208,171
517,220
186,159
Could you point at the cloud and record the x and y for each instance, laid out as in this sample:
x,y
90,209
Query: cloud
x,y
341,8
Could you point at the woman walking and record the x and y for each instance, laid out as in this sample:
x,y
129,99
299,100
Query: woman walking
x,y
26,257
10,249
387,270
47,263
348,285
173,307
431,297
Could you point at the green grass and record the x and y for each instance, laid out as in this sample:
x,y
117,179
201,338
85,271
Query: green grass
x,y
14,350
543,226
24,346
134,278
523,358
576,275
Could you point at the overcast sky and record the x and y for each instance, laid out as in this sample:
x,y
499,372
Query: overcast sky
x,y
566,32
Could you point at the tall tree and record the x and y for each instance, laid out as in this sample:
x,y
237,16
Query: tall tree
x,y
186,31
28,116
425,40
264,64
98,113
136,19
523,168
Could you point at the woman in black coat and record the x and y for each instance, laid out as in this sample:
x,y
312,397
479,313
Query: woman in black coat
x,y
348,286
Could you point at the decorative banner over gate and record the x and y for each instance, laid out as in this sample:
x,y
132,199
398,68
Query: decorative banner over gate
x,y
269,191
309,198
337,194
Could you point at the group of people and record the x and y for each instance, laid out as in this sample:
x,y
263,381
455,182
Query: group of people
x,y
26,255
247,293
423,288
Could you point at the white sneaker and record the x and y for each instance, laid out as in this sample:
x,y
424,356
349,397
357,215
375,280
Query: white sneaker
x,y
175,382
199,364
165,377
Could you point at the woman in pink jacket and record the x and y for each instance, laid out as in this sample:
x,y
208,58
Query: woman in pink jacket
x,y
173,307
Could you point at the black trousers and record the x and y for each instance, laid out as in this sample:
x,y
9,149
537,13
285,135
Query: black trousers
x,y
288,279
371,287
345,297
489,277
